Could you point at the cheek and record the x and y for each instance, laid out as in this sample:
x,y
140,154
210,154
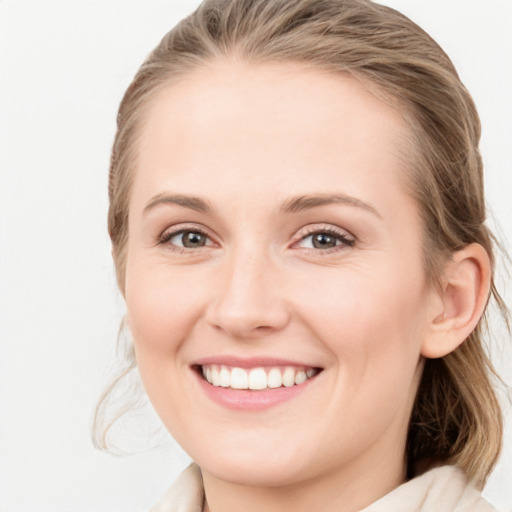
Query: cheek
x,y
162,310
370,321
162,306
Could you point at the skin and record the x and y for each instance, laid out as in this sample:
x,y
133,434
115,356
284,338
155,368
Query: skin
x,y
246,140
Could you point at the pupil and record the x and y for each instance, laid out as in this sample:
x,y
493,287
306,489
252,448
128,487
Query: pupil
x,y
323,241
192,239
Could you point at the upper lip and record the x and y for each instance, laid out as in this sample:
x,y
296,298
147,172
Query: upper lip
x,y
252,362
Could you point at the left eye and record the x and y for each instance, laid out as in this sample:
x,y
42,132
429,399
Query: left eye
x,y
324,240
188,239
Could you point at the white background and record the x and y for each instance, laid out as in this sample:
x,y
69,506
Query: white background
x,y
63,69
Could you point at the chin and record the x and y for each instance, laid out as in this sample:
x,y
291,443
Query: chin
x,y
259,464
255,473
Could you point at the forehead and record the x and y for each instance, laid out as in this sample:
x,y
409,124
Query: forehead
x,y
283,127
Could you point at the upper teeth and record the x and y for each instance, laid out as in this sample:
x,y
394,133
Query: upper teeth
x,y
256,378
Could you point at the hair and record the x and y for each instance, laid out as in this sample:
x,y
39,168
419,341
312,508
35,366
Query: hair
x,y
456,417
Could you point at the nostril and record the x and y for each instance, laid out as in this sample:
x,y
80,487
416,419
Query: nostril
x,y
264,328
252,324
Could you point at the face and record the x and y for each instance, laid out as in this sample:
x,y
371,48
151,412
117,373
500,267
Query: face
x,y
274,281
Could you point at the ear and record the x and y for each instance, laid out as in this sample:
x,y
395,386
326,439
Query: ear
x,y
460,303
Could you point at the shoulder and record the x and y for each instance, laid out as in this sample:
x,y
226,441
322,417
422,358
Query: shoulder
x,y
442,489
186,494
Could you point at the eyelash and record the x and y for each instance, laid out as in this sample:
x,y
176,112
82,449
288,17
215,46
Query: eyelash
x,y
167,236
339,235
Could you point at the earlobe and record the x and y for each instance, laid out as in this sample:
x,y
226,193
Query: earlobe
x,y
463,299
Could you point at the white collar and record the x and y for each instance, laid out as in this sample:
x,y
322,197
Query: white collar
x,y
442,489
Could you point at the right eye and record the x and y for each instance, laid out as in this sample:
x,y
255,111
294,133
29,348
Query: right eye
x,y
185,239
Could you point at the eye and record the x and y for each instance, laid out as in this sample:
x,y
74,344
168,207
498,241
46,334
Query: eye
x,y
325,239
185,239
322,240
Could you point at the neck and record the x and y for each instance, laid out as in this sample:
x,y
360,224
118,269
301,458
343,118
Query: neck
x,y
347,490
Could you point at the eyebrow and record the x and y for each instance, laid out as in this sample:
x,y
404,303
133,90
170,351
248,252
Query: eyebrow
x,y
191,202
301,203
292,205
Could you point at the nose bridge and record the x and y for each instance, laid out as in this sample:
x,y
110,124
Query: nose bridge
x,y
249,300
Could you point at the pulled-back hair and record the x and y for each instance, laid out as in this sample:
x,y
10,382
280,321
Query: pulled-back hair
x,y
456,417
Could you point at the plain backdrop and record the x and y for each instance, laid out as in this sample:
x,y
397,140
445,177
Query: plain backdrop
x,y
63,69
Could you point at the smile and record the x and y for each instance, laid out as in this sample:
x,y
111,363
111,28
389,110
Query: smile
x,y
256,379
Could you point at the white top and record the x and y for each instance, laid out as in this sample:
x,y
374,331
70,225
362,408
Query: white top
x,y
442,489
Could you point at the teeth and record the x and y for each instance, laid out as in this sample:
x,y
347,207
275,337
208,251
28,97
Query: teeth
x,y
274,378
256,378
300,377
239,379
215,376
289,377
225,377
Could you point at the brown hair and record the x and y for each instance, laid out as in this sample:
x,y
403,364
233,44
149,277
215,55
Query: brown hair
x,y
456,416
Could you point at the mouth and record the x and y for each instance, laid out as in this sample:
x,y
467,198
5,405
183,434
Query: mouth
x,y
259,378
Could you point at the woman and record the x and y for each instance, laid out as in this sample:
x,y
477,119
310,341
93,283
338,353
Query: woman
x,y
297,219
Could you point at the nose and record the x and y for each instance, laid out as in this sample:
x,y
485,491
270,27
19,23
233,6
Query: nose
x,y
249,303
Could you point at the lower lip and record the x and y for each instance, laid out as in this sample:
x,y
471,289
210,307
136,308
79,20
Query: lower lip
x,y
251,400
